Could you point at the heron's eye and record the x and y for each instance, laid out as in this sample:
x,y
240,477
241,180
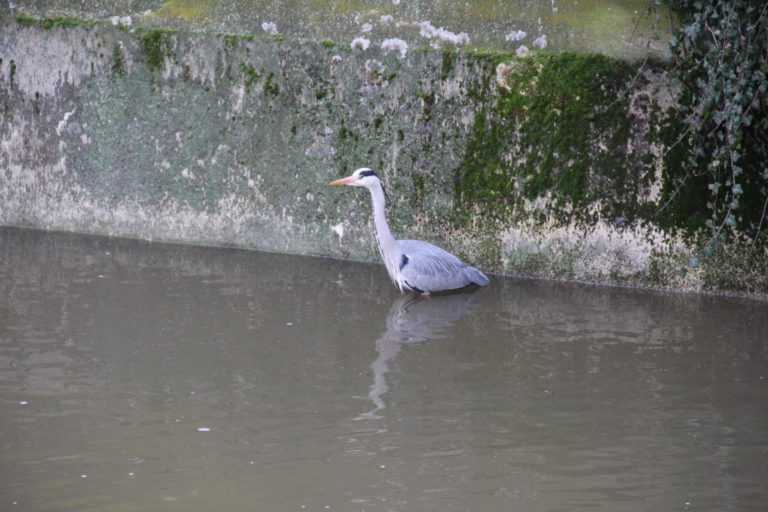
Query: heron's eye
x,y
368,172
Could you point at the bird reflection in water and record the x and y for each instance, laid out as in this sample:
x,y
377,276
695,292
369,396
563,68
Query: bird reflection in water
x,y
413,320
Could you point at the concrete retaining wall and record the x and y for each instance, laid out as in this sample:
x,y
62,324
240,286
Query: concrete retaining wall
x,y
232,140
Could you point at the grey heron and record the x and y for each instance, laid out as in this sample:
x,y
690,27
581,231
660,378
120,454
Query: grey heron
x,y
412,265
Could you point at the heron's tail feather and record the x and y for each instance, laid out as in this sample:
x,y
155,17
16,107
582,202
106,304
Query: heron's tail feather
x,y
477,277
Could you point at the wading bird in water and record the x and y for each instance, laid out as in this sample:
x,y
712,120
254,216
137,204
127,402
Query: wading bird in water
x,y
412,265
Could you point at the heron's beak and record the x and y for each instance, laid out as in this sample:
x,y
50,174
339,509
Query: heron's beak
x,y
343,181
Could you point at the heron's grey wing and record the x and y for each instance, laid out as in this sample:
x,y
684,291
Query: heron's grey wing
x,y
427,268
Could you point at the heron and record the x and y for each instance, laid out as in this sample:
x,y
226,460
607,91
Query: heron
x,y
414,265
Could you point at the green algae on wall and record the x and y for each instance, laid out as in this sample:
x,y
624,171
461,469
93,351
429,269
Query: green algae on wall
x,y
559,127
118,62
50,23
155,44
185,9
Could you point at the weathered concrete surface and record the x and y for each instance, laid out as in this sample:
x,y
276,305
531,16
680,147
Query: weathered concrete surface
x,y
229,140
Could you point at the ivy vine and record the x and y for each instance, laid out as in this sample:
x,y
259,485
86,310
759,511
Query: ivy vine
x,y
719,70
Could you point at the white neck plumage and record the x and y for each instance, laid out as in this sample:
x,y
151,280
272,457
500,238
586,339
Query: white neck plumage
x,y
390,252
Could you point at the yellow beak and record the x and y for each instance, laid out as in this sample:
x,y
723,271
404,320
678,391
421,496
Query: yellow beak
x,y
343,181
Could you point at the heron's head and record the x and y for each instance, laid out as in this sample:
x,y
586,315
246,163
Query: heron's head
x,y
363,177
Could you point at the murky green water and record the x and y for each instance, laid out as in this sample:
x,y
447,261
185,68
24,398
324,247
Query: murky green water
x,y
140,377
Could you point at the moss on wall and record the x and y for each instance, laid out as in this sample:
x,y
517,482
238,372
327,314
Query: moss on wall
x,y
50,23
156,44
185,9
559,127
118,62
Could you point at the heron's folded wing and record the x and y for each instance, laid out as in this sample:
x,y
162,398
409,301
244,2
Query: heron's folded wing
x,y
430,268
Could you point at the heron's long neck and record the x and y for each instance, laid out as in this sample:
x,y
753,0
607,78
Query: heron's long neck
x,y
388,248
383,235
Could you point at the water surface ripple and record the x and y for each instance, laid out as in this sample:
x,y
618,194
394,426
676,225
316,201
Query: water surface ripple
x,y
137,376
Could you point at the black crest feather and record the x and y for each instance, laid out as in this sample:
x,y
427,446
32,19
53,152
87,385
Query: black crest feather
x,y
368,172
